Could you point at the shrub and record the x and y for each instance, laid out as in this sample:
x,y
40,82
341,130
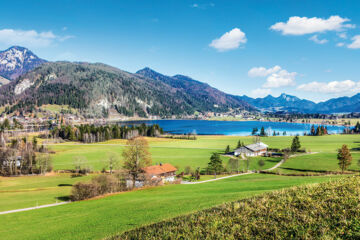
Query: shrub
x,y
81,191
187,170
106,184
99,185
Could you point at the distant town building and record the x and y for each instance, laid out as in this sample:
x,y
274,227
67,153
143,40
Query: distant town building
x,y
252,150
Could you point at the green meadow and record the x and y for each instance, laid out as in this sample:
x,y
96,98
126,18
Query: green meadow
x,y
107,216
30,191
196,153
99,218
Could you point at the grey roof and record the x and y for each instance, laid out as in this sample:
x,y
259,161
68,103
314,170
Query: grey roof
x,y
252,147
255,147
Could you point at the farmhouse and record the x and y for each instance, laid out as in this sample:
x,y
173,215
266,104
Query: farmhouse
x,y
252,150
165,171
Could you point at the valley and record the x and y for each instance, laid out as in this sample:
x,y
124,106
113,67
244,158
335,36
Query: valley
x,y
116,213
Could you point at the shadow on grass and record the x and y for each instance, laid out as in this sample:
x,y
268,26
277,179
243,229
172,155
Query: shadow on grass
x,y
65,185
273,160
305,170
63,198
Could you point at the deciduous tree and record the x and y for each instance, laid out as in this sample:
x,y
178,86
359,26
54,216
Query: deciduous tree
x,y
136,156
344,157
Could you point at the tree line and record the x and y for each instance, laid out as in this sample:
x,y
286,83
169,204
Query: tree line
x,y
318,131
23,156
90,133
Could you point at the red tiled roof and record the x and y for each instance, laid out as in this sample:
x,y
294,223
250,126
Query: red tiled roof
x,y
160,169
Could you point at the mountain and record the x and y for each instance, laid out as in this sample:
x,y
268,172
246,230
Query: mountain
x,y
199,94
340,105
288,103
16,61
95,89
282,103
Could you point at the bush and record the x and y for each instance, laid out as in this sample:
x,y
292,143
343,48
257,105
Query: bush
x,y
106,184
82,191
99,185
187,170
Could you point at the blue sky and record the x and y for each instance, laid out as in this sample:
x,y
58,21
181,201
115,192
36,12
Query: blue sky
x,y
305,48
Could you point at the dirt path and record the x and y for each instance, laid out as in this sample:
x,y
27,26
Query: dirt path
x,y
32,208
183,182
235,175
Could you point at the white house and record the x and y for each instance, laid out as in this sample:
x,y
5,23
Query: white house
x,y
252,150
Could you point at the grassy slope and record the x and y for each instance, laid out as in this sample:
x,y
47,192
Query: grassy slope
x,y
29,191
96,219
322,211
320,162
54,108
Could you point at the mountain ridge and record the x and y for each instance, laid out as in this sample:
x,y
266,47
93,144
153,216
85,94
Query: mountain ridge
x,y
24,76
289,103
96,88
16,61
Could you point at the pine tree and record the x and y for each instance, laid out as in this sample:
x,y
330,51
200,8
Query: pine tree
x,y
238,144
344,157
312,131
295,146
262,132
227,150
215,164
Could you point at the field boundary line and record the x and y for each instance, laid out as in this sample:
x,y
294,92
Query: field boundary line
x,y
124,145
33,208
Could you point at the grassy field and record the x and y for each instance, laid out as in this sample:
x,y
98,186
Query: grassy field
x,y
96,219
30,191
54,108
321,211
114,214
195,153
320,162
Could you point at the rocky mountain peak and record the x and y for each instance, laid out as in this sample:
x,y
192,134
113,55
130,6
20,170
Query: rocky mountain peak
x,y
16,61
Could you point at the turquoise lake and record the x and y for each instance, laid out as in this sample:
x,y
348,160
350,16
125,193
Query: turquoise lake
x,y
236,128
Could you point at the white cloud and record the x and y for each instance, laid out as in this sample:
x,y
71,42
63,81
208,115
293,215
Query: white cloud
x,y
317,40
356,42
280,79
340,44
334,87
276,76
260,92
263,72
342,35
29,38
202,6
230,40
303,25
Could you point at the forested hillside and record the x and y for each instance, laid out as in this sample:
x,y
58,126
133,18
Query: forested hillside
x,y
94,89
